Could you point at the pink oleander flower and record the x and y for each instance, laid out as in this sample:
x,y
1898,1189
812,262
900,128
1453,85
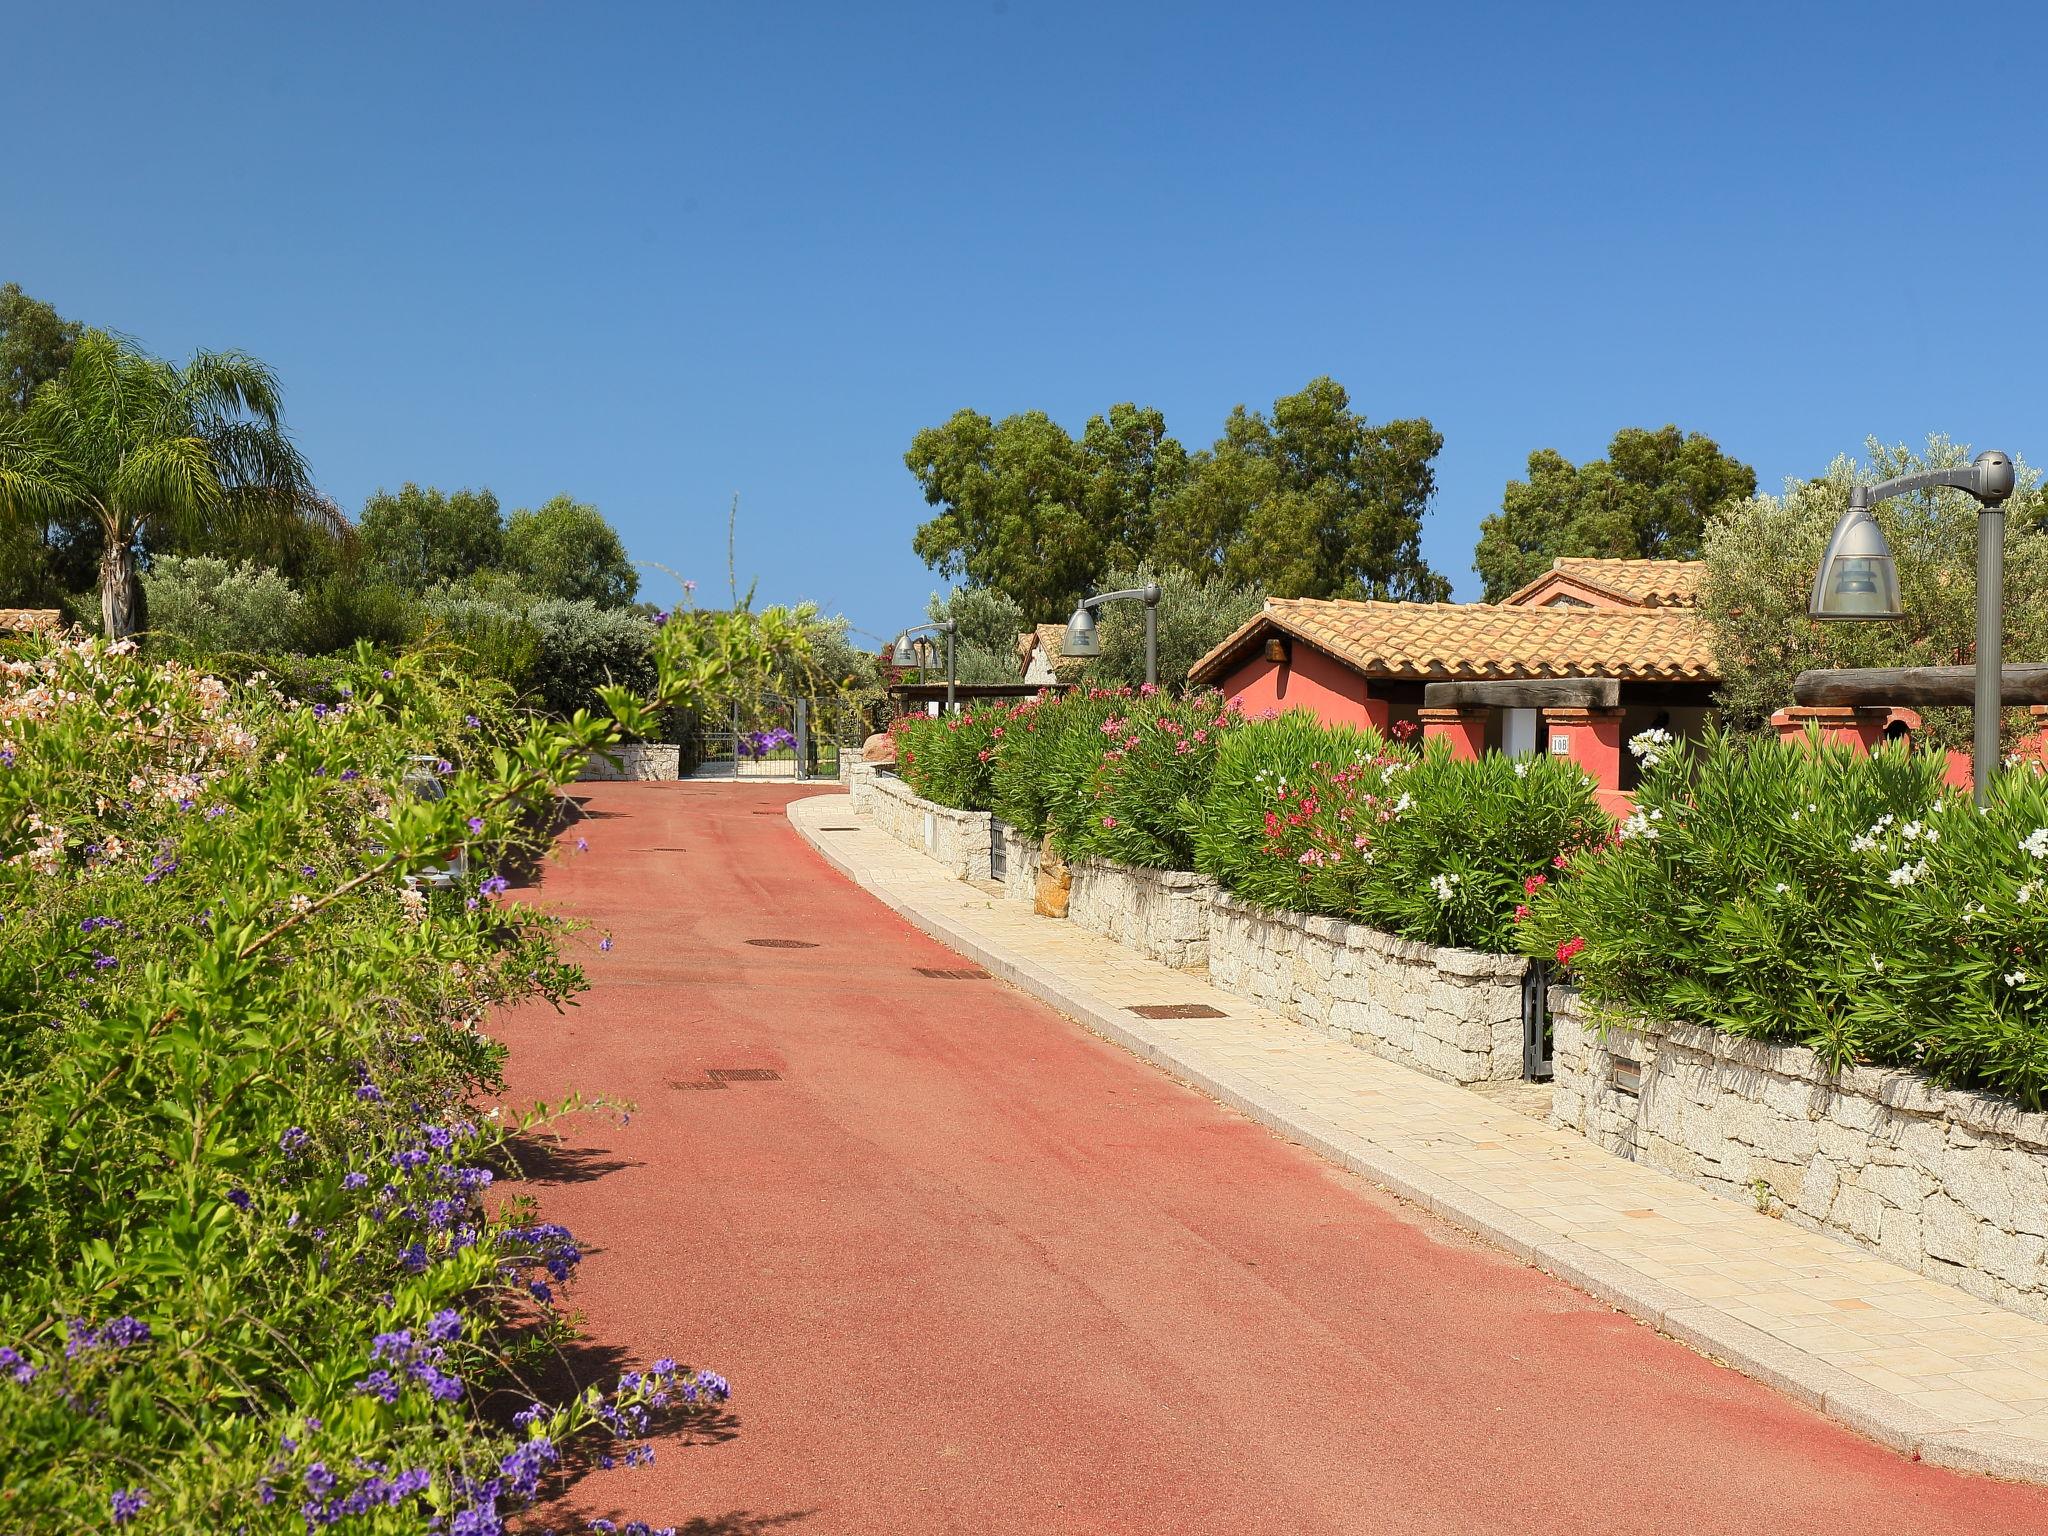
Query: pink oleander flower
x,y
1568,950
1109,821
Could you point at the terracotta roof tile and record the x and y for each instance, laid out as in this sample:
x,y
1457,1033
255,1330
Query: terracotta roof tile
x,y
1484,640
1046,638
1650,583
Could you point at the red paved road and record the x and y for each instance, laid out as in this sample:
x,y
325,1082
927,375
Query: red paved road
x,y
971,1269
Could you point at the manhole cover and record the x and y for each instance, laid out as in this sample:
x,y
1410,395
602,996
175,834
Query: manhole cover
x,y
699,1087
939,973
782,943
724,1075
1176,1011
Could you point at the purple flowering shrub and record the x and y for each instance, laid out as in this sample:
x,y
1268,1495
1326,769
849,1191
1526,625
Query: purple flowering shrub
x,y
258,1266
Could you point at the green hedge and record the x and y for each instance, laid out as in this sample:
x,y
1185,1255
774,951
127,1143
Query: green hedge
x,y
1420,844
249,1279
1814,895
1284,811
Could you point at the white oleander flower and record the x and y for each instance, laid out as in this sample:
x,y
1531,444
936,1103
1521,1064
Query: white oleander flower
x,y
2015,978
2035,843
1445,886
1907,874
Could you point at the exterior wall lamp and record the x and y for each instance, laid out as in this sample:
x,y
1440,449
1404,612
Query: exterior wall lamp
x,y
1858,581
1082,640
905,654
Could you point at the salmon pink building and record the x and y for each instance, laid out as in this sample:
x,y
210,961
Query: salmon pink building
x,y
1618,644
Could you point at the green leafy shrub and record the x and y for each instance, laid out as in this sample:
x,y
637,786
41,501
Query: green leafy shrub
x,y
1131,789
1025,789
208,607
950,759
249,1280
1422,845
1846,903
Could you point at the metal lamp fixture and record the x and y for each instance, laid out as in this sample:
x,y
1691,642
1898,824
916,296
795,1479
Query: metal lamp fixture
x,y
905,654
1081,638
1857,580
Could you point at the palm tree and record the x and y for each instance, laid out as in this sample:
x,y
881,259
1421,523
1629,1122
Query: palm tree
x,y
137,443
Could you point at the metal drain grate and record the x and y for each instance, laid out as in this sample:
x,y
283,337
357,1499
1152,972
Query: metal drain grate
x,y
714,1083
724,1075
782,943
1177,1011
940,973
839,829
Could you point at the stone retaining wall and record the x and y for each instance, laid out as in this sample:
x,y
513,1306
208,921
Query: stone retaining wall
x,y
958,840
1163,914
1020,863
636,760
1952,1184
1453,1013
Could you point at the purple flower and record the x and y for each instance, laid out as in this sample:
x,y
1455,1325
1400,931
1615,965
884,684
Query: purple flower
x,y
294,1142
472,722
443,767
476,823
319,1481
127,1504
214,812
387,674
349,773
94,924
354,1180
308,871
496,885
102,962
605,944
239,1198
582,846
446,1326
380,1384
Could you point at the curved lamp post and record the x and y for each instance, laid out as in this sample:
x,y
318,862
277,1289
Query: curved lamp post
x,y
1082,640
905,655
1857,580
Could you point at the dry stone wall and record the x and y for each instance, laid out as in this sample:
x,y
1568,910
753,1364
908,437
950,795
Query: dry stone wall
x,y
1453,1013
1020,863
958,840
1952,1184
637,760
1163,914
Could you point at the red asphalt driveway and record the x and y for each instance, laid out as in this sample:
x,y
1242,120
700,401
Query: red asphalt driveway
x,y
971,1269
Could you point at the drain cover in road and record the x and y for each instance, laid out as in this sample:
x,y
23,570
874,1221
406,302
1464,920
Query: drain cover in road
x,y
724,1075
939,973
1177,1011
782,943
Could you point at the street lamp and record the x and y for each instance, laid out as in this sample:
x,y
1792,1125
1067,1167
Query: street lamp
x,y
1857,580
905,655
1082,640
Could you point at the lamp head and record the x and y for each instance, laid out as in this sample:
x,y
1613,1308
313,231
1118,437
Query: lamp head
x,y
1857,580
1995,477
903,655
1080,638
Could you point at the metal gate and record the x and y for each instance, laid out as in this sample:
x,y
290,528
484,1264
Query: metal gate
x,y
1536,1021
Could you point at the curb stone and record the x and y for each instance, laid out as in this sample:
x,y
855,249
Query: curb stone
x,y
1889,1420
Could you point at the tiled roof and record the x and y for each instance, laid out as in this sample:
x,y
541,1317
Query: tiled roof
x,y
1647,583
1483,640
1045,640
23,620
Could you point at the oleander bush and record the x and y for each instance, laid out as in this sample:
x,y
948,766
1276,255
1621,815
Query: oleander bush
x,y
1340,821
1813,895
1026,789
1129,785
260,1266
950,759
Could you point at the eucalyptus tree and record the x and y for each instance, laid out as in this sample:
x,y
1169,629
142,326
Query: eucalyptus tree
x,y
137,444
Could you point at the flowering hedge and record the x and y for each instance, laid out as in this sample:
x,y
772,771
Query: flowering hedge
x,y
1284,811
1420,844
258,1267
1812,894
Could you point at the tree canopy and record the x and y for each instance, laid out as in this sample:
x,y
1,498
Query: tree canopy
x,y
1313,501
35,346
424,536
1650,498
566,549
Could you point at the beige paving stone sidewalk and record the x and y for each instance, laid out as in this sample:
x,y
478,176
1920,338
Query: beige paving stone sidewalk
x,y
1915,1364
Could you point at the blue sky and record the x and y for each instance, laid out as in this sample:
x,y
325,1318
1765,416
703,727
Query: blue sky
x,y
656,255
